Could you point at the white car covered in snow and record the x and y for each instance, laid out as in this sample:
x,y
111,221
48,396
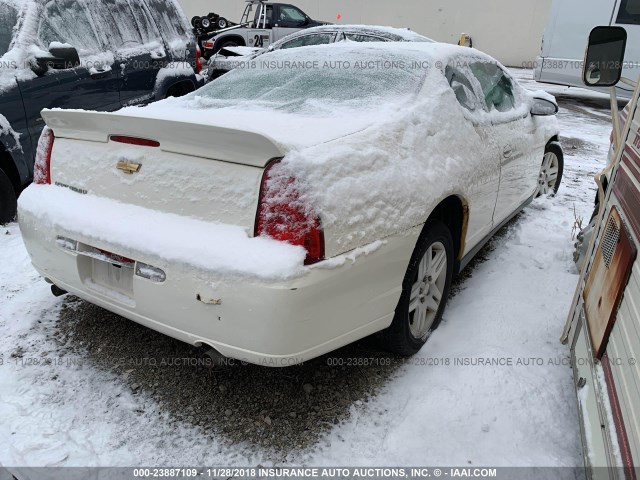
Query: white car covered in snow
x,y
229,58
289,209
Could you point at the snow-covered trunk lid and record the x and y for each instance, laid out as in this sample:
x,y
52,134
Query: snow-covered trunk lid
x,y
204,172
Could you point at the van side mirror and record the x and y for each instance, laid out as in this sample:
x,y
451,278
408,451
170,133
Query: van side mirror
x,y
60,57
605,57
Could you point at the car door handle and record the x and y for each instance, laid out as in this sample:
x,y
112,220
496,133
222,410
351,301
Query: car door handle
x,y
507,152
99,75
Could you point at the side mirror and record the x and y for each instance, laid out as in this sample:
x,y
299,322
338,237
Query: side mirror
x,y
605,57
65,56
543,108
60,57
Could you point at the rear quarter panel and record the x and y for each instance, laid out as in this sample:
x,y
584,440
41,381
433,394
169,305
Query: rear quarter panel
x,y
388,178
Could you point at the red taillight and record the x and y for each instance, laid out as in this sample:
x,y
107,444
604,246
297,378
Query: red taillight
x,y
42,166
283,216
198,68
208,45
134,141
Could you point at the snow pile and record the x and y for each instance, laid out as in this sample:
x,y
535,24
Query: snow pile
x,y
160,238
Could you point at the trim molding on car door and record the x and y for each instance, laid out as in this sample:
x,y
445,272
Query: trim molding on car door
x,y
461,264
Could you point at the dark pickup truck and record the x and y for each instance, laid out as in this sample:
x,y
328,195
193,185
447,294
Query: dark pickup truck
x,y
85,54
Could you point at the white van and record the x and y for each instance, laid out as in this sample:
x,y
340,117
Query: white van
x,y
603,327
570,22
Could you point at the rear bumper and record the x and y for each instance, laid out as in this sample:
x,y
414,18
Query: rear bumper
x,y
272,323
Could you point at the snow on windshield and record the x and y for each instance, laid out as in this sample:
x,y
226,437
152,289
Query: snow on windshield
x,y
290,81
8,20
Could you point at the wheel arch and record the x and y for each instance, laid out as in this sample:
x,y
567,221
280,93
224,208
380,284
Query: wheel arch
x,y
8,166
179,88
555,138
220,40
453,211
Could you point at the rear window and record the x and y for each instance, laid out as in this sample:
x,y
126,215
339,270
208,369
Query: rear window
x,y
358,37
288,81
309,40
8,20
629,12
169,18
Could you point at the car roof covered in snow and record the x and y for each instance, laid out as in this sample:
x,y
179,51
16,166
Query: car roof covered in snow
x,y
390,33
385,50
295,95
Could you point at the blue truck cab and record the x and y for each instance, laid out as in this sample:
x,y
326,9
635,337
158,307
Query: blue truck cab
x,y
86,54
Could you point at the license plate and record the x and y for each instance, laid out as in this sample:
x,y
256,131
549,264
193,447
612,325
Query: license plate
x,y
113,277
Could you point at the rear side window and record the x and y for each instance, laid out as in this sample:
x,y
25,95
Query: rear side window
x,y
496,86
463,89
68,21
291,15
629,12
357,37
118,24
8,20
146,26
169,18
308,40
125,24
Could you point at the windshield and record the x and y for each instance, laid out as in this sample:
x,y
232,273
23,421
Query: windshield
x,y
294,82
8,20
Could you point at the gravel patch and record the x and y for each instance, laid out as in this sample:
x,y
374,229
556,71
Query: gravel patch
x,y
278,410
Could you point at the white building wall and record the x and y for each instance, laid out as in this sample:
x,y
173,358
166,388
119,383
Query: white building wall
x,y
510,30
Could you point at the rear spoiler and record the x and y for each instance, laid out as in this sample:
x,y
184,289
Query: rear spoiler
x,y
181,137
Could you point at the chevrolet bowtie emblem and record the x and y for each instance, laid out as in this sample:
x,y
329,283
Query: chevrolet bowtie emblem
x,y
129,167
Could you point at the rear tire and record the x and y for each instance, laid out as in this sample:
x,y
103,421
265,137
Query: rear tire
x,y
8,200
425,290
222,23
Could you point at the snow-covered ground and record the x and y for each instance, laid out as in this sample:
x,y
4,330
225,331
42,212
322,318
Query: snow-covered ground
x,y
58,407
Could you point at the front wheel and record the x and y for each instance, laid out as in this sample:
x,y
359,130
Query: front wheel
x,y
550,176
425,289
222,23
